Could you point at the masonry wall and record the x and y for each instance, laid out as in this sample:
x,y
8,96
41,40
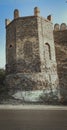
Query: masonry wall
x,y
47,55
60,38
23,45
11,47
27,45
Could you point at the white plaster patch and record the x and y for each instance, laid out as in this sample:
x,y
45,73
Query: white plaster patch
x,y
32,96
29,95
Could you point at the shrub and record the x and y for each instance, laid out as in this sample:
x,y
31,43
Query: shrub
x,y
2,76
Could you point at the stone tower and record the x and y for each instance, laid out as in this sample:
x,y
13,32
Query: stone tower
x,y
30,53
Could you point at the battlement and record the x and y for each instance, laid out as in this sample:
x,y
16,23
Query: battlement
x,y
61,27
60,33
16,15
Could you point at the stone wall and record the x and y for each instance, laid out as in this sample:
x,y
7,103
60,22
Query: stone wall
x,y
10,47
27,45
45,32
60,38
32,57
23,45
47,49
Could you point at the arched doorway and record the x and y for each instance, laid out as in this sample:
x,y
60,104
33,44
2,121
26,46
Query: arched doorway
x,y
47,53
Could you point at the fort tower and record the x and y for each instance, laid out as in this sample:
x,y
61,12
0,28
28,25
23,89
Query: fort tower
x,y
30,53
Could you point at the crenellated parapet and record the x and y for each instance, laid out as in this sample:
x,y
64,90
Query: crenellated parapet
x,y
36,13
16,13
58,27
7,22
60,33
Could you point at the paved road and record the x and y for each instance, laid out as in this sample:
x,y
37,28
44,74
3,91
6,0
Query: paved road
x,y
32,119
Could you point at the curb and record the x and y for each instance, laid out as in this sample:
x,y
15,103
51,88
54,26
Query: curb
x,y
32,107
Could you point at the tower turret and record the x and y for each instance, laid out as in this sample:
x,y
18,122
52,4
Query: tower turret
x,y
36,11
49,17
16,13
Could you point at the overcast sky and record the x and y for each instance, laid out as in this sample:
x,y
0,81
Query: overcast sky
x,y
57,8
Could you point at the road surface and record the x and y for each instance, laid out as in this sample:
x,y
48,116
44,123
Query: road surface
x,y
33,119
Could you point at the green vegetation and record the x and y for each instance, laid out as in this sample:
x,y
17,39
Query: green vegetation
x,y
3,88
2,80
2,76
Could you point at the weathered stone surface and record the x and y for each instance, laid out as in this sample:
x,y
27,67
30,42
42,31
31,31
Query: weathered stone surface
x,y
42,96
31,81
60,38
30,54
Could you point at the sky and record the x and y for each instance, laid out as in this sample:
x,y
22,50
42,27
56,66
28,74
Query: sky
x,y
57,8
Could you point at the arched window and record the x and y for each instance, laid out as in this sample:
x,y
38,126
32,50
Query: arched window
x,y
47,51
28,50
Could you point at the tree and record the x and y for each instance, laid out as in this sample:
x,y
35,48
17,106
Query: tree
x,y
2,76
